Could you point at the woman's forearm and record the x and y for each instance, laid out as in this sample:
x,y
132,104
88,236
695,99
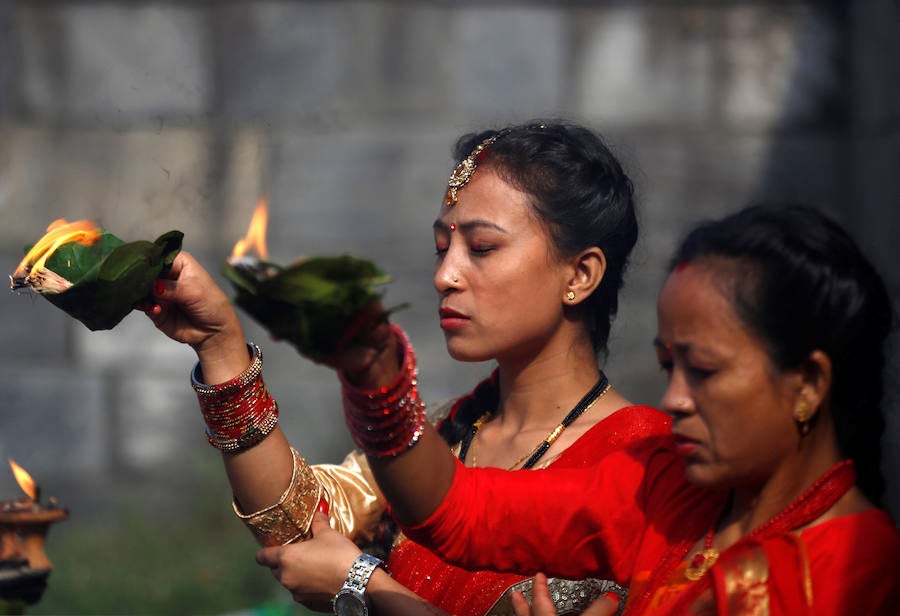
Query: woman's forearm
x,y
260,475
389,597
416,481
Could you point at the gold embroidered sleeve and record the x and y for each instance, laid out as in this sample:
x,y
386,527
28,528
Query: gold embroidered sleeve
x,y
289,519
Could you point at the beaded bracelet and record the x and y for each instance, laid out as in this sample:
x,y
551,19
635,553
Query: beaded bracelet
x,y
387,421
238,413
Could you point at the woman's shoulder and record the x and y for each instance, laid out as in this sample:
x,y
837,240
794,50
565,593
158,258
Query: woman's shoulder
x,y
620,430
868,532
854,563
631,423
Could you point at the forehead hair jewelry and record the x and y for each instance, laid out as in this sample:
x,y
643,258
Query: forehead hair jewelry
x,y
466,167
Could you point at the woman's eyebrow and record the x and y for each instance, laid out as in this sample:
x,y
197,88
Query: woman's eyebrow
x,y
468,225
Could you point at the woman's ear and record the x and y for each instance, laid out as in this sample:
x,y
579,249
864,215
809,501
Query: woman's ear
x,y
585,275
815,373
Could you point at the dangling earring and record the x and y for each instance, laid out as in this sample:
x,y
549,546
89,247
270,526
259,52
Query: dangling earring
x,y
803,415
570,296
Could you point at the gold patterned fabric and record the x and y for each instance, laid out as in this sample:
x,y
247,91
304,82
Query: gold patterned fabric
x,y
288,519
746,576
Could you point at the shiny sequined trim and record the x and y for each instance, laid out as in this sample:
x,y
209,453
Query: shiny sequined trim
x,y
569,596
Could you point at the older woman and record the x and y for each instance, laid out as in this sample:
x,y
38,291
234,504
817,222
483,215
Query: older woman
x,y
764,499
532,240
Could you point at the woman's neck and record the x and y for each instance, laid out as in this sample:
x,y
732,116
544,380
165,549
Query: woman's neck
x,y
751,508
542,391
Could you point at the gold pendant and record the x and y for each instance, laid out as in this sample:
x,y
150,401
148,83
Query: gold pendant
x,y
701,563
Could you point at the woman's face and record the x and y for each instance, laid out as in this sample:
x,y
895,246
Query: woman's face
x,y
732,409
499,285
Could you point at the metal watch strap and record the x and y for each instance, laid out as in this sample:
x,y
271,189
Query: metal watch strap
x,y
361,570
358,576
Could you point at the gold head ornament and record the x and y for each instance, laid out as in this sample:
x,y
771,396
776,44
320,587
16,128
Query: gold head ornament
x,y
466,168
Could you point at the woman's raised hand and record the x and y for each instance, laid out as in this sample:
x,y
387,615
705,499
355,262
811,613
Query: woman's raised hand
x,y
188,306
543,604
370,359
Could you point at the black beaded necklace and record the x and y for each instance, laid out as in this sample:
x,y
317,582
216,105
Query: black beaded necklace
x,y
595,393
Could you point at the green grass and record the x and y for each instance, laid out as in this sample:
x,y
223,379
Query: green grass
x,y
200,562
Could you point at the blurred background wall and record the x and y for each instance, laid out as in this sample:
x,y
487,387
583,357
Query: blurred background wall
x,y
150,116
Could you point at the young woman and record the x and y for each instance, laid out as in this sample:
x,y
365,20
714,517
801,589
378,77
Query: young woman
x,y
765,497
532,240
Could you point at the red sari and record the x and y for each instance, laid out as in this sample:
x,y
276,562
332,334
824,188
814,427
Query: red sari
x,y
634,518
464,592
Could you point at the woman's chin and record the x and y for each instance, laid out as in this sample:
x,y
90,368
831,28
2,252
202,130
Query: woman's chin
x,y
703,475
460,352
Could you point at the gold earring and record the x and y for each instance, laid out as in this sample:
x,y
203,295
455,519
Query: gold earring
x,y
803,415
570,296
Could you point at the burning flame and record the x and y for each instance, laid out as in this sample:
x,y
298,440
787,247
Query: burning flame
x,y
256,234
59,232
28,485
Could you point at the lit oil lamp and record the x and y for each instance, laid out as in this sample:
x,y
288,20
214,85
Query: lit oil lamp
x,y
24,522
33,273
90,273
316,303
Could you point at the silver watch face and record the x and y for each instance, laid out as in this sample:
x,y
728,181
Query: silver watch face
x,y
350,603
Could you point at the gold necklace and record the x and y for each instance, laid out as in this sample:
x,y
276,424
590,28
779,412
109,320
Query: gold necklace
x,y
530,458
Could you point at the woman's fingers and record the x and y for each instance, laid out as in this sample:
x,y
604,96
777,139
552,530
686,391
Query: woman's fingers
x,y
541,604
268,557
604,606
520,605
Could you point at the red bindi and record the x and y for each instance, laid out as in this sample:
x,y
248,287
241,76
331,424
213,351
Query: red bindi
x,y
453,226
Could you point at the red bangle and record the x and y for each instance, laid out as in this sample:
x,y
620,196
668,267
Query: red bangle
x,y
238,413
387,421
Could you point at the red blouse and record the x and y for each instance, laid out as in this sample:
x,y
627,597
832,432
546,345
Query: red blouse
x,y
634,517
464,592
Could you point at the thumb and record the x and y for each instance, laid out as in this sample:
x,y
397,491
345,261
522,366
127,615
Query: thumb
x,y
320,523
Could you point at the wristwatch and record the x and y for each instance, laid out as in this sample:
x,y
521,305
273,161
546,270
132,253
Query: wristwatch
x,y
351,598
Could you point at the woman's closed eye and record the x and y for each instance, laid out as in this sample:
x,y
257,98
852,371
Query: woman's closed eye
x,y
481,249
698,373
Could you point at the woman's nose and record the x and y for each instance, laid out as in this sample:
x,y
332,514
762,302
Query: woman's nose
x,y
677,399
446,275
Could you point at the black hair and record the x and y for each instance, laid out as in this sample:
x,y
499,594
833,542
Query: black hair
x,y
579,190
800,283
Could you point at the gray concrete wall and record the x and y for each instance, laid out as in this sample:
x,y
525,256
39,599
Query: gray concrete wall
x,y
150,116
